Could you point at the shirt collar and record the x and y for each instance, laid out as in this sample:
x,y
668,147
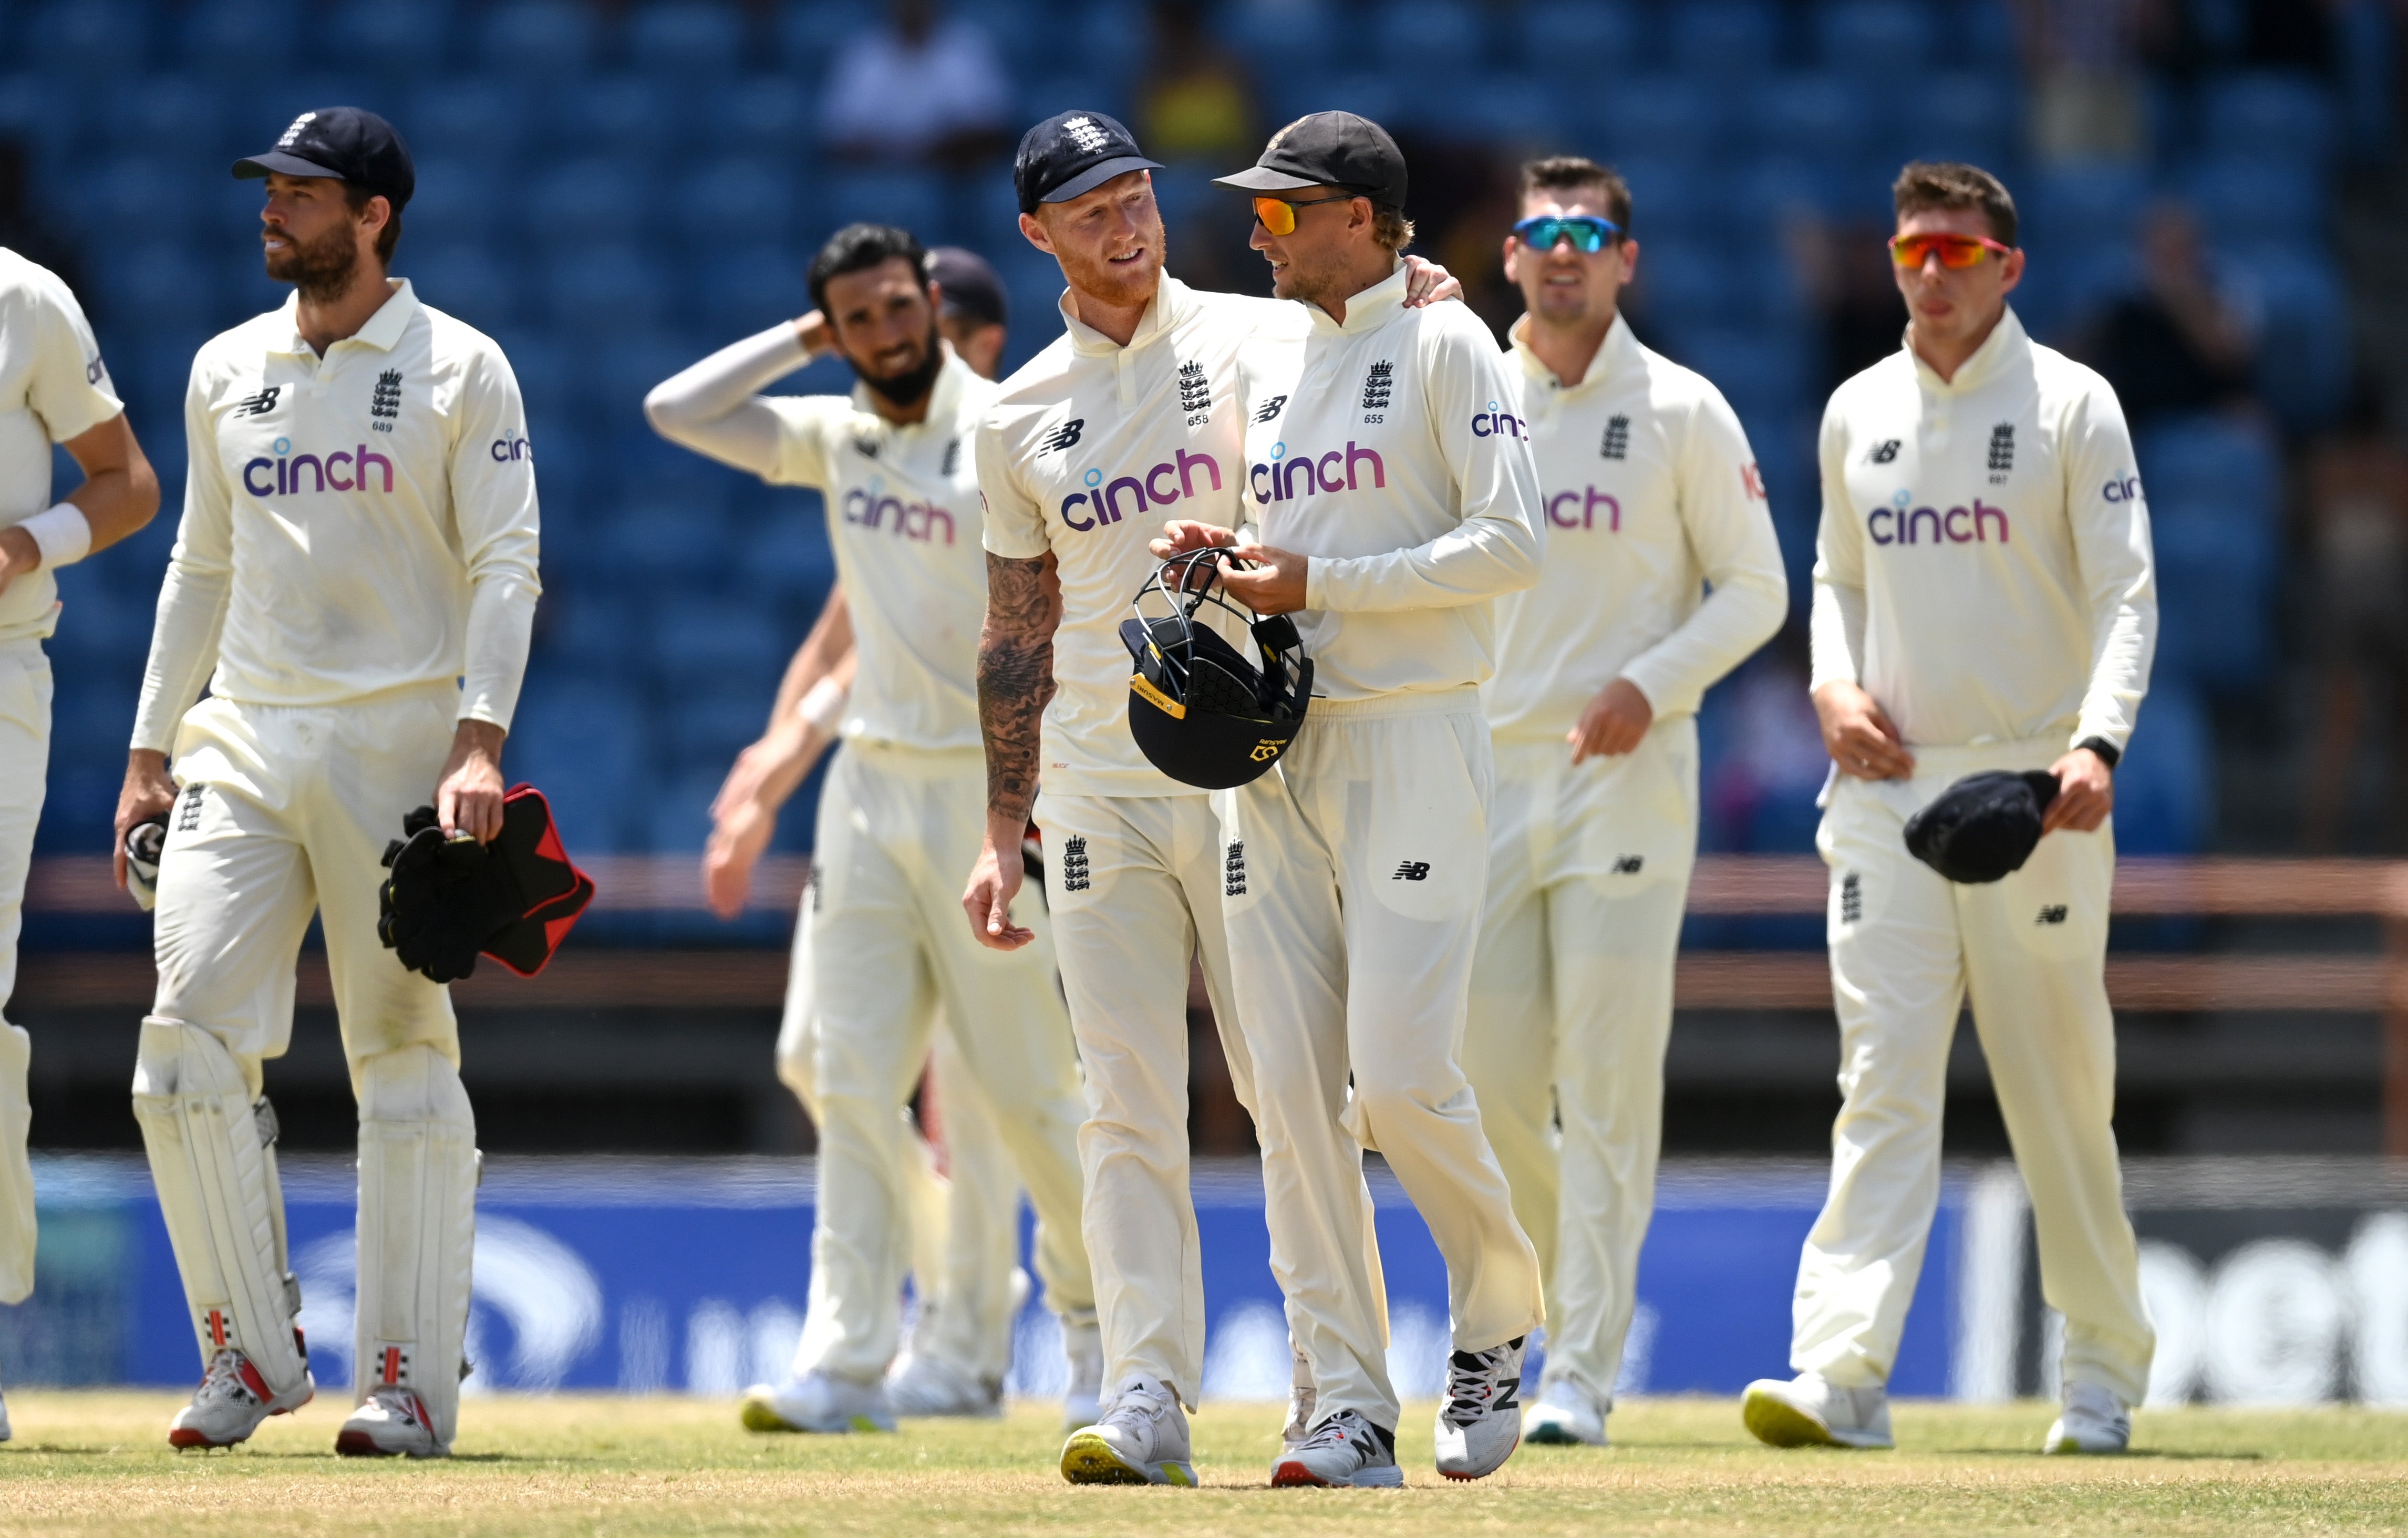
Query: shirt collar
x,y
1369,310
384,327
944,396
1618,352
1172,302
2005,340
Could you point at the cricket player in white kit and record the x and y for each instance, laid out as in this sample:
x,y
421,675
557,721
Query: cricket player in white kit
x,y
1661,574
1389,478
903,809
1131,416
354,579
1984,600
53,390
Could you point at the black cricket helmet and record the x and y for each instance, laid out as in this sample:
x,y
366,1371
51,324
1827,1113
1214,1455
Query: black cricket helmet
x,y
1200,712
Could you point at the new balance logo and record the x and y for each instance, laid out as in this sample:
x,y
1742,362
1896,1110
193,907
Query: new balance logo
x,y
1194,392
1412,870
1377,382
865,445
1271,408
1233,869
2054,914
1883,452
1063,437
2002,452
386,401
260,404
1074,864
1852,898
1616,443
1629,864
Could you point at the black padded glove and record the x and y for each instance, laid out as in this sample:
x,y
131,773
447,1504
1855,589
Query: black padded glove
x,y
445,900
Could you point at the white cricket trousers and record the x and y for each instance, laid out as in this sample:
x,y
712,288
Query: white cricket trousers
x,y
24,760
1571,1006
963,1229
1354,878
1134,884
1907,949
893,954
285,812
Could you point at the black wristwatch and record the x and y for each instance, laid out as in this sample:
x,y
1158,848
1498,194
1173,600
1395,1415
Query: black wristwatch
x,y
2108,752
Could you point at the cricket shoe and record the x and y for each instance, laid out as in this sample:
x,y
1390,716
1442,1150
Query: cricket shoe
x,y
930,1385
1345,1449
2093,1421
231,1401
1301,1399
1085,1345
818,1401
1565,1415
1481,1422
1140,1440
1806,1410
392,1422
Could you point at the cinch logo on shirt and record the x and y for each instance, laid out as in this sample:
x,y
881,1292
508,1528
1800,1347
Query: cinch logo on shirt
x,y
1317,473
1105,503
1496,424
865,508
1957,526
2123,489
1590,499
511,446
345,470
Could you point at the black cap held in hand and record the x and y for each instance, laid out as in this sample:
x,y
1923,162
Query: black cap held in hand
x,y
1984,827
350,143
1072,153
1328,150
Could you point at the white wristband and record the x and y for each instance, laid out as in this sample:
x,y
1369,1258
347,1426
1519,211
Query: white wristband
x,y
823,703
61,534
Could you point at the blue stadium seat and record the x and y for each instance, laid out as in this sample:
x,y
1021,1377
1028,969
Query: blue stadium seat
x,y
753,287
40,111
1278,34
1723,38
540,363
1513,111
595,198
787,552
629,118
713,721
768,115
241,39
1043,95
1665,118
1594,40
1820,116
2271,199
181,119
700,637
144,194
1291,93
463,279
543,39
811,33
2303,348
2278,116
2210,461
1682,282
397,42
479,118
2213,487
162,287
1407,35
86,38
739,199
582,739
677,810
2083,204
913,199
2165,784
692,38
1784,186
458,200
1761,370
1875,41
684,540
609,285
1668,198
620,369
1966,116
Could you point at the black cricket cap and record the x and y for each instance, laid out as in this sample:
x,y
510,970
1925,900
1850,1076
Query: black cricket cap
x,y
972,288
350,143
1984,827
1328,150
1070,153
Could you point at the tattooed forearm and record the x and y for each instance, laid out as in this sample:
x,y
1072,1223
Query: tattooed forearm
x,y
1015,678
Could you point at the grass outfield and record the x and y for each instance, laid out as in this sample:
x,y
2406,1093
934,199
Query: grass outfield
x,y
99,1463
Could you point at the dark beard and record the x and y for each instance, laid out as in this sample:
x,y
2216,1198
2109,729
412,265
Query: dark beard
x,y
321,268
907,389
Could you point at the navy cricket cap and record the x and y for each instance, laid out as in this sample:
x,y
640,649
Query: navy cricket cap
x,y
1983,828
349,143
972,288
1070,153
1328,150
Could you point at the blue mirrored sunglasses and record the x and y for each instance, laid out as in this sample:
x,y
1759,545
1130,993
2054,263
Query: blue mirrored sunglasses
x,y
1588,233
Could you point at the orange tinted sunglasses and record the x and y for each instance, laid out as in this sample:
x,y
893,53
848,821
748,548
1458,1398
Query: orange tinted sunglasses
x,y
1956,251
1278,214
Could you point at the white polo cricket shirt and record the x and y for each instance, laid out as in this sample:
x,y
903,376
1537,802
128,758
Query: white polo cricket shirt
x,y
1086,453
1650,493
1984,568
903,516
353,524
52,388
1391,451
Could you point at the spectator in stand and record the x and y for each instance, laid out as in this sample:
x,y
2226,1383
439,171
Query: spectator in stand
x,y
1197,100
2088,96
2174,346
2357,513
920,90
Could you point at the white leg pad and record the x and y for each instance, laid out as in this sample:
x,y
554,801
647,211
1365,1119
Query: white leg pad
x,y
16,1172
217,1192
417,1229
